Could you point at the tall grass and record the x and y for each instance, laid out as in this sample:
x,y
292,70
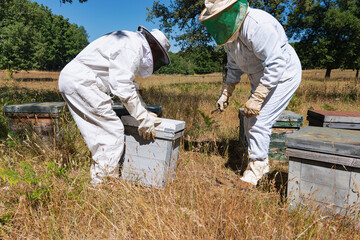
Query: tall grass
x,y
45,191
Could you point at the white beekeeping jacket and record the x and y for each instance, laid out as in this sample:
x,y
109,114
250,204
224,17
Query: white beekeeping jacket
x,y
116,58
261,51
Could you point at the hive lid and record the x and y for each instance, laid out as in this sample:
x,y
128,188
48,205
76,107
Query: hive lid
x,y
121,110
287,119
334,116
35,107
289,116
326,140
170,126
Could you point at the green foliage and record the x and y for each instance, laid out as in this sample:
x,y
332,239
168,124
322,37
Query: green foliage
x,y
40,184
198,60
207,119
180,17
294,103
31,37
327,107
327,33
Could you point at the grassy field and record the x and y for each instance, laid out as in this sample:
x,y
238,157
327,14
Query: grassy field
x,y
45,191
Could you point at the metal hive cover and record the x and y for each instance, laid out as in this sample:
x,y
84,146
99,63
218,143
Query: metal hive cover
x,y
35,107
121,110
334,116
326,140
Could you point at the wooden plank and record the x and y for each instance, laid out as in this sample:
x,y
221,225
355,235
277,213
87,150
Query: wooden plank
x,y
323,157
293,189
354,191
325,174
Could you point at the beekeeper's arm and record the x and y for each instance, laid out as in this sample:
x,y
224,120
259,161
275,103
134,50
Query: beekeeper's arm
x,y
122,69
266,45
233,76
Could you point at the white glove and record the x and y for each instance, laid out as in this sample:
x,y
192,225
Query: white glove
x,y
226,92
147,122
254,104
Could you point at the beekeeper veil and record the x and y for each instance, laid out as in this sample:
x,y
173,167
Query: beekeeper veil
x,y
223,18
159,45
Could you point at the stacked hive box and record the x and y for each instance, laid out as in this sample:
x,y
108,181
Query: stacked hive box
x,y
287,123
334,119
151,163
43,116
39,116
324,167
121,110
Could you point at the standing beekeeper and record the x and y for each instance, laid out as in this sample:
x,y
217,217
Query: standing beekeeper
x,y
257,45
107,67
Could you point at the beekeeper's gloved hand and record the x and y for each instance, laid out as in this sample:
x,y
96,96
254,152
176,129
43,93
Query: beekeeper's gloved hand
x,y
226,92
147,122
254,104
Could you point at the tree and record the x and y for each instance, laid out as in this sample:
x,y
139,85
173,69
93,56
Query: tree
x,y
327,31
70,1
179,19
31,37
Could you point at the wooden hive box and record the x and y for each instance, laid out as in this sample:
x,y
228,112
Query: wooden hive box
x,y
287,123
39,116
151,163
324,168
120,110
334,119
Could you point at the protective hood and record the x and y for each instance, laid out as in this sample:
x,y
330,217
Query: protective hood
x,y
223,18
159,45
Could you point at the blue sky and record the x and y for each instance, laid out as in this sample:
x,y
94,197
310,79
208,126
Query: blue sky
x,y
101,17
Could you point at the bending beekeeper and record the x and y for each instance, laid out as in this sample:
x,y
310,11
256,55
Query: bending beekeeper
x,y
257,45
106,67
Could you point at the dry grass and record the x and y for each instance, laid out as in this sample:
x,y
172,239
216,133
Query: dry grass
x,y
53,199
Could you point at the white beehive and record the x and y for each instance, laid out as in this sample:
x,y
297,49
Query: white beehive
x,y
151,163
324,168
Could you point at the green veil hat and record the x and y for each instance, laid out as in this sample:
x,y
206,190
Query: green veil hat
x,y
223,18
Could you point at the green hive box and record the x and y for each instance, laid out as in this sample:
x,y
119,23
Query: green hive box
x,y
287,123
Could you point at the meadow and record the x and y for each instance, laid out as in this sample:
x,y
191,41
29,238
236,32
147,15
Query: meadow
x,y
45,191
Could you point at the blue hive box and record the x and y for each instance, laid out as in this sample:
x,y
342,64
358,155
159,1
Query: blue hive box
x,y
151,163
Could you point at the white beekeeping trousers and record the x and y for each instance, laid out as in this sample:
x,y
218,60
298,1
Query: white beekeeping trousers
x,y
258,128
90,106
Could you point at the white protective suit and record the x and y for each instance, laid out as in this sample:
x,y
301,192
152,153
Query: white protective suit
x,y
106,66
261,50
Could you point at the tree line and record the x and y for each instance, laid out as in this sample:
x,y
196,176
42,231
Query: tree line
x,y
31,37
324,33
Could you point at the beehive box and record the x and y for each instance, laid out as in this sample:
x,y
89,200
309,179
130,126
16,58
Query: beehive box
x,y
334,119
42,117
151,163
287,123
324,168
120,110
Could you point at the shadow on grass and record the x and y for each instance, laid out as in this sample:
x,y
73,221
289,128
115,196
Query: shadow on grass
x,y
237,161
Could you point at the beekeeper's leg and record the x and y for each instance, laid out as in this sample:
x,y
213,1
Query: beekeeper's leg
x,y
91,109
258,129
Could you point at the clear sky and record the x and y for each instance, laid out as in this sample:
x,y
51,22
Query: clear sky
x,y
103,16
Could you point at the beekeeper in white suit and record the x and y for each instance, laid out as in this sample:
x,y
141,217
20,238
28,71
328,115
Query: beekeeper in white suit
x,y
106,67
257,45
